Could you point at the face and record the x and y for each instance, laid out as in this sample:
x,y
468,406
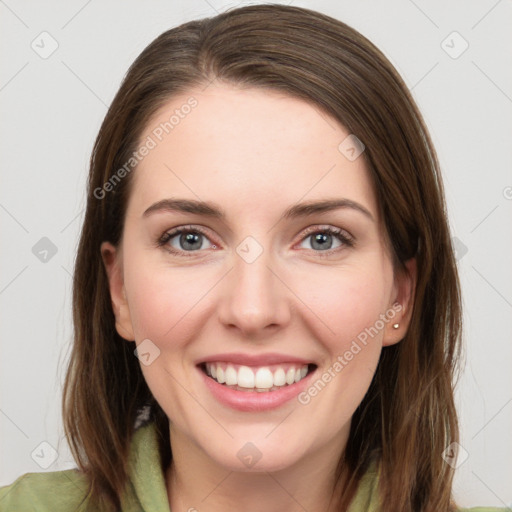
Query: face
x,y
255,284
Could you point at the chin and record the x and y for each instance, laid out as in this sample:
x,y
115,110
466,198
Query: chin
x,y
256,457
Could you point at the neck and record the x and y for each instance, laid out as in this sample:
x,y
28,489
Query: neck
x,y
195,483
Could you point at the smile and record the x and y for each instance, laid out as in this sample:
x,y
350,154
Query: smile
x,y
258,387
260,379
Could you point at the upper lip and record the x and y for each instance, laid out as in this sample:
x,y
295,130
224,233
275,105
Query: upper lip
x,y
254,359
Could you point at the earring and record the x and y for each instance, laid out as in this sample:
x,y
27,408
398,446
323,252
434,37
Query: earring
x,y
396,326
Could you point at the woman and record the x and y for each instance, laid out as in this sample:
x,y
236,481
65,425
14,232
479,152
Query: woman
x,y
266,226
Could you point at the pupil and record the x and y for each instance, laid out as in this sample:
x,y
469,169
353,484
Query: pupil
x,y
321,239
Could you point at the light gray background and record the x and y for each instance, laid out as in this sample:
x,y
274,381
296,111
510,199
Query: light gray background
x,y
51,110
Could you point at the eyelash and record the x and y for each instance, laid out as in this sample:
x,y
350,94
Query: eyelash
x,y
340,234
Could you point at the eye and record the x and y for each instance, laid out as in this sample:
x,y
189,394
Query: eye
x,y
327,239
192,239
185,239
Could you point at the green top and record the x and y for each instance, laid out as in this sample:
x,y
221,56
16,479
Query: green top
x,y
66,491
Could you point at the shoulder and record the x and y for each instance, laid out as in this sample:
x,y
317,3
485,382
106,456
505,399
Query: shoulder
x,y
52,491
367,496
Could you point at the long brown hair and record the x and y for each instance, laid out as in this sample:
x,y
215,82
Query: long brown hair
x,y
408,416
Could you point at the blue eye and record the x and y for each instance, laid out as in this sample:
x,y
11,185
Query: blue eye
x,y
322,239
186,240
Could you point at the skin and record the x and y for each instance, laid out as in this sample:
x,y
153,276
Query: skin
x,y
239,148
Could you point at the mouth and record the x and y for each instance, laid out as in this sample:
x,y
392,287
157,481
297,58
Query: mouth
x,y
256,379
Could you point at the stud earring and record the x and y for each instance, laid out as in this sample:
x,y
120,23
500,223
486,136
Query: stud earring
x,y
396,326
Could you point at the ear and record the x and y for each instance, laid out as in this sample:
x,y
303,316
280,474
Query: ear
x,y
405,286
111,256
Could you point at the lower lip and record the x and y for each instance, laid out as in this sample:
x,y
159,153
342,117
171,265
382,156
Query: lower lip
x,y
254,401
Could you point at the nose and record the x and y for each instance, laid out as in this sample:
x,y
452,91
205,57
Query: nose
x,y
254,299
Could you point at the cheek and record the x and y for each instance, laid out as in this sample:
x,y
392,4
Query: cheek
x,y
350,306
338,303
164,307
161,300
347,300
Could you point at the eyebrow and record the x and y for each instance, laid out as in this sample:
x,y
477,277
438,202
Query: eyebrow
x,y
213,210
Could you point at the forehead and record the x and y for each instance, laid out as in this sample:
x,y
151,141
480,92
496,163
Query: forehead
x,y
256,148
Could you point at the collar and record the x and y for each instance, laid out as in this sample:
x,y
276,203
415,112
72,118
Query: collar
x,y
148,481
145,471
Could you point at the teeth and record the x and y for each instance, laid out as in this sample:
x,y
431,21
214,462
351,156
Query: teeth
x,y
259,379
279,378
245,377
264,378
231,376
290,376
